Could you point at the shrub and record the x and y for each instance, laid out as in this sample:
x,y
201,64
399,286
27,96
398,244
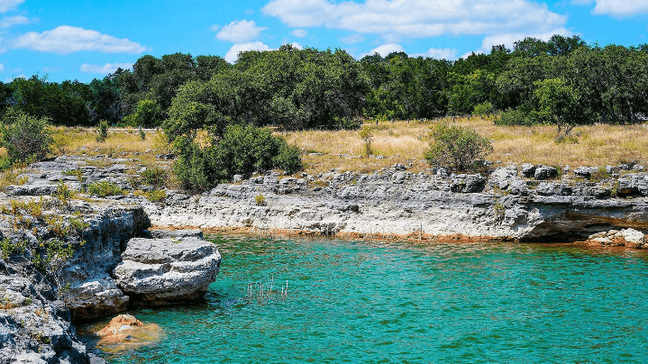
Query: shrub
x,y
241,150
512,117
366,134
484,108
104,188
154,176
102,130
288,159
456,147
25,137
64,193
156,196
260,200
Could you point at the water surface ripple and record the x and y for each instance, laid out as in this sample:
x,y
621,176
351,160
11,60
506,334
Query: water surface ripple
x,y
400,303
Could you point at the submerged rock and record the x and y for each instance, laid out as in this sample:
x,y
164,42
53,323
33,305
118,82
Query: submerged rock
x,y
158,272
125,332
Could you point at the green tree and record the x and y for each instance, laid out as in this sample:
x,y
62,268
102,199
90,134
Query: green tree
x,y
242,149
63,104
559,103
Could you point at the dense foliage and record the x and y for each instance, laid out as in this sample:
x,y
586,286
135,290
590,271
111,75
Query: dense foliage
x,y
304,89
242,149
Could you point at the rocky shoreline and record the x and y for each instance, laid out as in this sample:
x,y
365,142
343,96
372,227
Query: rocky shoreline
x,y
116,261
511,203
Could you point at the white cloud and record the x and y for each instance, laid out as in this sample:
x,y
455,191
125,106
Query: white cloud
x,y
105,69
232,54
418,18
13,20
241,31
439,53
9,79
1,67
509,39
385,50
67,39
299,33
353,39
618,8
7,5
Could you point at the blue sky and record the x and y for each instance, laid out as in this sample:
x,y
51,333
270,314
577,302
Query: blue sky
x,y
75,39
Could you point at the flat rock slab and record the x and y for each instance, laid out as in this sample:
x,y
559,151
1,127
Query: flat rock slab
x,y
159,272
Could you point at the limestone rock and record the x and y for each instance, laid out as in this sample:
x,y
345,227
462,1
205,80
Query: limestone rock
x,y
528,170
627,237
92,291
544,172
167,271
585,172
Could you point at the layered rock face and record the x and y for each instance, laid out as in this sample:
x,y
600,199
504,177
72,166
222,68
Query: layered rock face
x,y
156,272
92,291
513,203
34,326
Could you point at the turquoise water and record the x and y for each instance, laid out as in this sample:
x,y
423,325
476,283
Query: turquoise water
x,y
399,303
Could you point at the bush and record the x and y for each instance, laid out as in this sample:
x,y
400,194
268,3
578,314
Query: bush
x,y
104,188
484,108
154,176
241,150
260,200
512,117
102,130
25,137
456,147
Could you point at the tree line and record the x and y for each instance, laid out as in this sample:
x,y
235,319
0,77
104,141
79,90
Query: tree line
x,y
562,80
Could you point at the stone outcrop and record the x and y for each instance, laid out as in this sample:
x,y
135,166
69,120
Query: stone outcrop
x,y
34,326
166,271
627,237
505,205
92,292
43,291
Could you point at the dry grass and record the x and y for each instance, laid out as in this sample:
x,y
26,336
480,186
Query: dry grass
x,y
405,142
400,142
123,142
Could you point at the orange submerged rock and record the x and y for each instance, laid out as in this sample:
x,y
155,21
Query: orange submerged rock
x,y
125,332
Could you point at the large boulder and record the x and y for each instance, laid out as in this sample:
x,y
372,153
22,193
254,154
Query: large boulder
x,y
159,272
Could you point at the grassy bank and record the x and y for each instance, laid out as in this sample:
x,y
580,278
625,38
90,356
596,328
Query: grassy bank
x,y
397,142
405,142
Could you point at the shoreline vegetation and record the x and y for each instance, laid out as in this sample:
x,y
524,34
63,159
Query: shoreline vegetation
x,y
397,142
560,102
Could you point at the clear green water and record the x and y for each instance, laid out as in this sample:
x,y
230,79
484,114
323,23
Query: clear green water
x,y
377,303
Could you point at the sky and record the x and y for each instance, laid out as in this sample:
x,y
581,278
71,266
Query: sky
x,y
82,40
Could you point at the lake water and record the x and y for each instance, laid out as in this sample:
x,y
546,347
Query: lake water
x,y
403,303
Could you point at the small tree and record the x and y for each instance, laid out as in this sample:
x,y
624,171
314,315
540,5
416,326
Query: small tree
x,y
559,104
456,147
366,134
25,137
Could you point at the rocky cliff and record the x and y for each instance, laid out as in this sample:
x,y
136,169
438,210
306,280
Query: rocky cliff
x,y
513,203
